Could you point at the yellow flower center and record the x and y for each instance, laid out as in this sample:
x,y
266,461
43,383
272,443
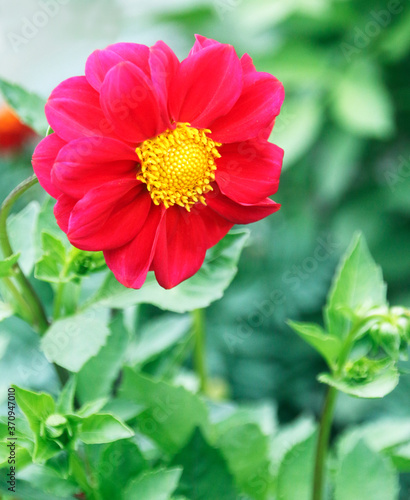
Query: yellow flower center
x,y
178,166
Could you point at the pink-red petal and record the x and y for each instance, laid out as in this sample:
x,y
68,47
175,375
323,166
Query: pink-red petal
x,y
109,216
73,110
200,43
129,100
181,247
248,172
256,108
206,85
63,209
164,64
88,162
101,61
43,159
131,263
240,213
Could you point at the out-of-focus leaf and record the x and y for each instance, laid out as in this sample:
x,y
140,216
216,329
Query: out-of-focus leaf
x,y
295,476
153,485
29,106
21,230
205,472
364,474
6,265
95,378
172,412
102,428
206,286
362,103
71,342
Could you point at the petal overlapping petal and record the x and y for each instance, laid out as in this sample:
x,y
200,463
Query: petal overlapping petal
x,y
249,171
43,160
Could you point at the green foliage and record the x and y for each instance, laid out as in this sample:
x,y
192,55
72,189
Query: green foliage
x,y
153,485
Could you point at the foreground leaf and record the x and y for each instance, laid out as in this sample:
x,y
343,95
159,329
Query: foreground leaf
x,y
153,485
102,428
206,286
364,474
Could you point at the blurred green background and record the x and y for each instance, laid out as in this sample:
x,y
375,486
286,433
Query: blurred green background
x,y
344,127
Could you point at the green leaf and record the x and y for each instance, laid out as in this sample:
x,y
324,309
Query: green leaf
x,y
382,383
362,103
205,472
28,106
36,408
97,375
119,463
6,265
295,476
102,428
72,341
50,266
157,336
327,345
153,485
21,230
362,473
49,481
172,412
357,286
245,448
6,310
206,286
65,403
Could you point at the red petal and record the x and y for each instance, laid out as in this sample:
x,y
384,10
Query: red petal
x,y
129,100
249,171
200,43
130,263
181,247
101,61
164,64
43,159
256,108
247,64
73,110
63,209
241,213
109,216
88,162
206,86
215,226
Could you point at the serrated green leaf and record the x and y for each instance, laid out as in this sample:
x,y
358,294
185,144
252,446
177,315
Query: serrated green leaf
x,y
357,286
95,378
295,477
205,472
120,462
327,345
153,485
72,341
172,412
362,473
102,428
28,106
206,286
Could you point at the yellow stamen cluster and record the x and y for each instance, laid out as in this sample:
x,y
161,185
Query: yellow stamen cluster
x,y
178,166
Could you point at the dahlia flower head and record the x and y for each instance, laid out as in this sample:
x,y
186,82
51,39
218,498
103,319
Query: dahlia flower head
x,y
153,160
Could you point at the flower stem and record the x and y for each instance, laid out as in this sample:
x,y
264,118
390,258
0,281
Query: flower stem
x,y
30,301
199,347
323,442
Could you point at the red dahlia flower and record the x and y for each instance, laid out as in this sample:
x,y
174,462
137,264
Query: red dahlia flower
x,y
153,160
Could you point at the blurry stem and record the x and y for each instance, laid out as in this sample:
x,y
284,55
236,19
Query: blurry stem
x,y
29,300
323,442
198,316
58,300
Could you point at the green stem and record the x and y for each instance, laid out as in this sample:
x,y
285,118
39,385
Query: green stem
x,y
199,348
58,300
35,308
323,442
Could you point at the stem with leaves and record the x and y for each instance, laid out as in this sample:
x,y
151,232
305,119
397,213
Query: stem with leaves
x,y
24,294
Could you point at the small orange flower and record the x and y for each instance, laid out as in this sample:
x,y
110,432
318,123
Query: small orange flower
x,y
13,133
